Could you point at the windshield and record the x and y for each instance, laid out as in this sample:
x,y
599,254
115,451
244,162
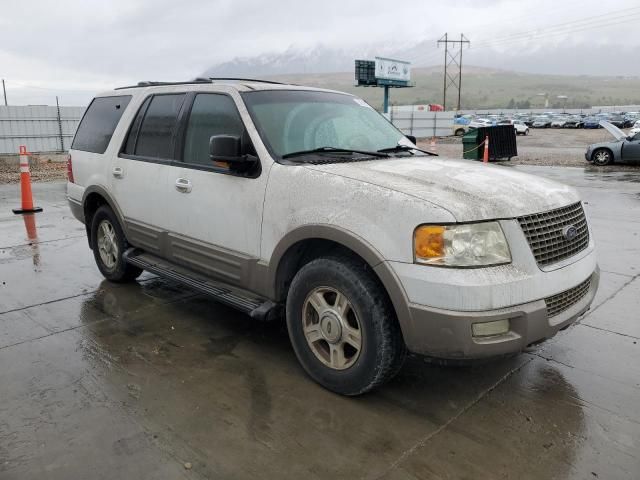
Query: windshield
x,y
297,120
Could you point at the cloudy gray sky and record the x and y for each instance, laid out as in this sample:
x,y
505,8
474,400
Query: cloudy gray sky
x,y
73,48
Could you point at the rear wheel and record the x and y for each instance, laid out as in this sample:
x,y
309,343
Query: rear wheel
x,y
109,245
342,326
602,157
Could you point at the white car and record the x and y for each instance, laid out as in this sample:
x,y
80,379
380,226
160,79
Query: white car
x,y
521,127
480,122
285,200
635,129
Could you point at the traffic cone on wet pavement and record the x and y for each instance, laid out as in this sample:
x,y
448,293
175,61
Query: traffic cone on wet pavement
x,y
25,185
485,156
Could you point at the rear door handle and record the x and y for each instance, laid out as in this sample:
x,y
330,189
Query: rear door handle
x,y
183,185
118,172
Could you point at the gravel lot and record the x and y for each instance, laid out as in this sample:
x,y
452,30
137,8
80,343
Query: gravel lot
x,y
40,172
548,147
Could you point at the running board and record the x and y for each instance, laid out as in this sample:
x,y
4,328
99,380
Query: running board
x,y
257,307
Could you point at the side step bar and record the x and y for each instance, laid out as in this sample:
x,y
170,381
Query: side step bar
x,y
257,307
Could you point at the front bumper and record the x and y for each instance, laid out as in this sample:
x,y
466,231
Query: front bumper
x,y
448,334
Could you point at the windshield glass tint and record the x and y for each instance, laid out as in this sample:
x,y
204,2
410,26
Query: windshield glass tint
x,y
291,121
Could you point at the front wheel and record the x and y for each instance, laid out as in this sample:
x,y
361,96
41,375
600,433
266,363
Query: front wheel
x,y
109,245
342,326
602,157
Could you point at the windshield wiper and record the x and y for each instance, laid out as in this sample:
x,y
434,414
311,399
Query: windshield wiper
x,y
379,154
405,148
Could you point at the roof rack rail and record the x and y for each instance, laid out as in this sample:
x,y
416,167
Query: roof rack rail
x,y
153,83
257,80
199,80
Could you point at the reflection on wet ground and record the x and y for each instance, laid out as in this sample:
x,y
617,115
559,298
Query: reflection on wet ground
x,y
132,381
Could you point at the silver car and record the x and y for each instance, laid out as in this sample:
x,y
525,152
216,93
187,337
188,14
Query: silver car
x,y
625,148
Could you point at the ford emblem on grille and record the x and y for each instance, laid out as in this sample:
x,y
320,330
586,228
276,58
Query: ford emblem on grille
x,y
569,232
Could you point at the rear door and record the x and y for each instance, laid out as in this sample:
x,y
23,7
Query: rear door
x,y
140,170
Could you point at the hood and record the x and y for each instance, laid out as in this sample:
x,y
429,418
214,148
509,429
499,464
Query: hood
x,y
613,130
469,190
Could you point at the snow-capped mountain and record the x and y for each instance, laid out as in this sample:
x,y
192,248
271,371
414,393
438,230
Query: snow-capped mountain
x,y
320,59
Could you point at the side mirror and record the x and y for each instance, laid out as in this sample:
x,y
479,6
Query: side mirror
x,y
225,148
411,138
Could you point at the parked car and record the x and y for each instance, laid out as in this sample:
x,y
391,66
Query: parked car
x,y
521,127
625,148
617,120
480,122
592,122
286,200
541,122
459,129
574,121
635,129
559,122
518,125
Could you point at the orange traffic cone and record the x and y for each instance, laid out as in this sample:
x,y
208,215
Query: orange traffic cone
x,y
485,156
25,185
432,145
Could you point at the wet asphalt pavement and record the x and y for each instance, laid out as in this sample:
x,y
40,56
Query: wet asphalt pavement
x,y
133,381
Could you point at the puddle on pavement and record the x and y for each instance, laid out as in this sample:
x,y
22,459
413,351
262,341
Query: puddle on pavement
x,y
30,249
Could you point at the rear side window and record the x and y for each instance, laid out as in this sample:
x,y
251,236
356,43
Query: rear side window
x,y
99,122
155,137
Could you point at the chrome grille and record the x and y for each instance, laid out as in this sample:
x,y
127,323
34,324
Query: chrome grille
x,y
545,236
560,302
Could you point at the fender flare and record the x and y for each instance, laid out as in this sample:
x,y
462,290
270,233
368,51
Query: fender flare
x,y
100,190
359,246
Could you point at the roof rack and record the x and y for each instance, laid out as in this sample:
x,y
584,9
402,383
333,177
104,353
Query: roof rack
x,y
246,80
199,80
153,84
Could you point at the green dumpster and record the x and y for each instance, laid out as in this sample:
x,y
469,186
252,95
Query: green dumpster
x,y
470,150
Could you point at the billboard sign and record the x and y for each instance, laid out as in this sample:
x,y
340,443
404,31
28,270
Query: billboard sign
x,y
389,69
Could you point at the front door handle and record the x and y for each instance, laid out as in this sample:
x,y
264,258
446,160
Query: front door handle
x,y
183,185
118,172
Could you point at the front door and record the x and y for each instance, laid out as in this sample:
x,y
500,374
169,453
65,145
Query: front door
x,y
214,214
631,149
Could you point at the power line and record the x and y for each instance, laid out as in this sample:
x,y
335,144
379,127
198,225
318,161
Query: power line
x,y
602,20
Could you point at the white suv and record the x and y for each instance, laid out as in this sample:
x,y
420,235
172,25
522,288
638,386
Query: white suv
x,y
284,199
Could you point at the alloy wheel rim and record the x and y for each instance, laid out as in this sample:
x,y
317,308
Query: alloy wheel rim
x,y
332,328
107,244
602,157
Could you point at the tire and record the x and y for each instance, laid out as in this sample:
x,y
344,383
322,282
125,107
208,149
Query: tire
x,y
368,322
602,157
108,253
459,132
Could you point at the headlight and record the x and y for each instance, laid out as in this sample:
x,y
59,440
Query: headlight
x,y
468,245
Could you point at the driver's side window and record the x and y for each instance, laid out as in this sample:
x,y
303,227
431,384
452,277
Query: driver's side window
x,y
211,114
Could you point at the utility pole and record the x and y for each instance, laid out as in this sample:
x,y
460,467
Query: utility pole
x,y
60,126
452,60
4,91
